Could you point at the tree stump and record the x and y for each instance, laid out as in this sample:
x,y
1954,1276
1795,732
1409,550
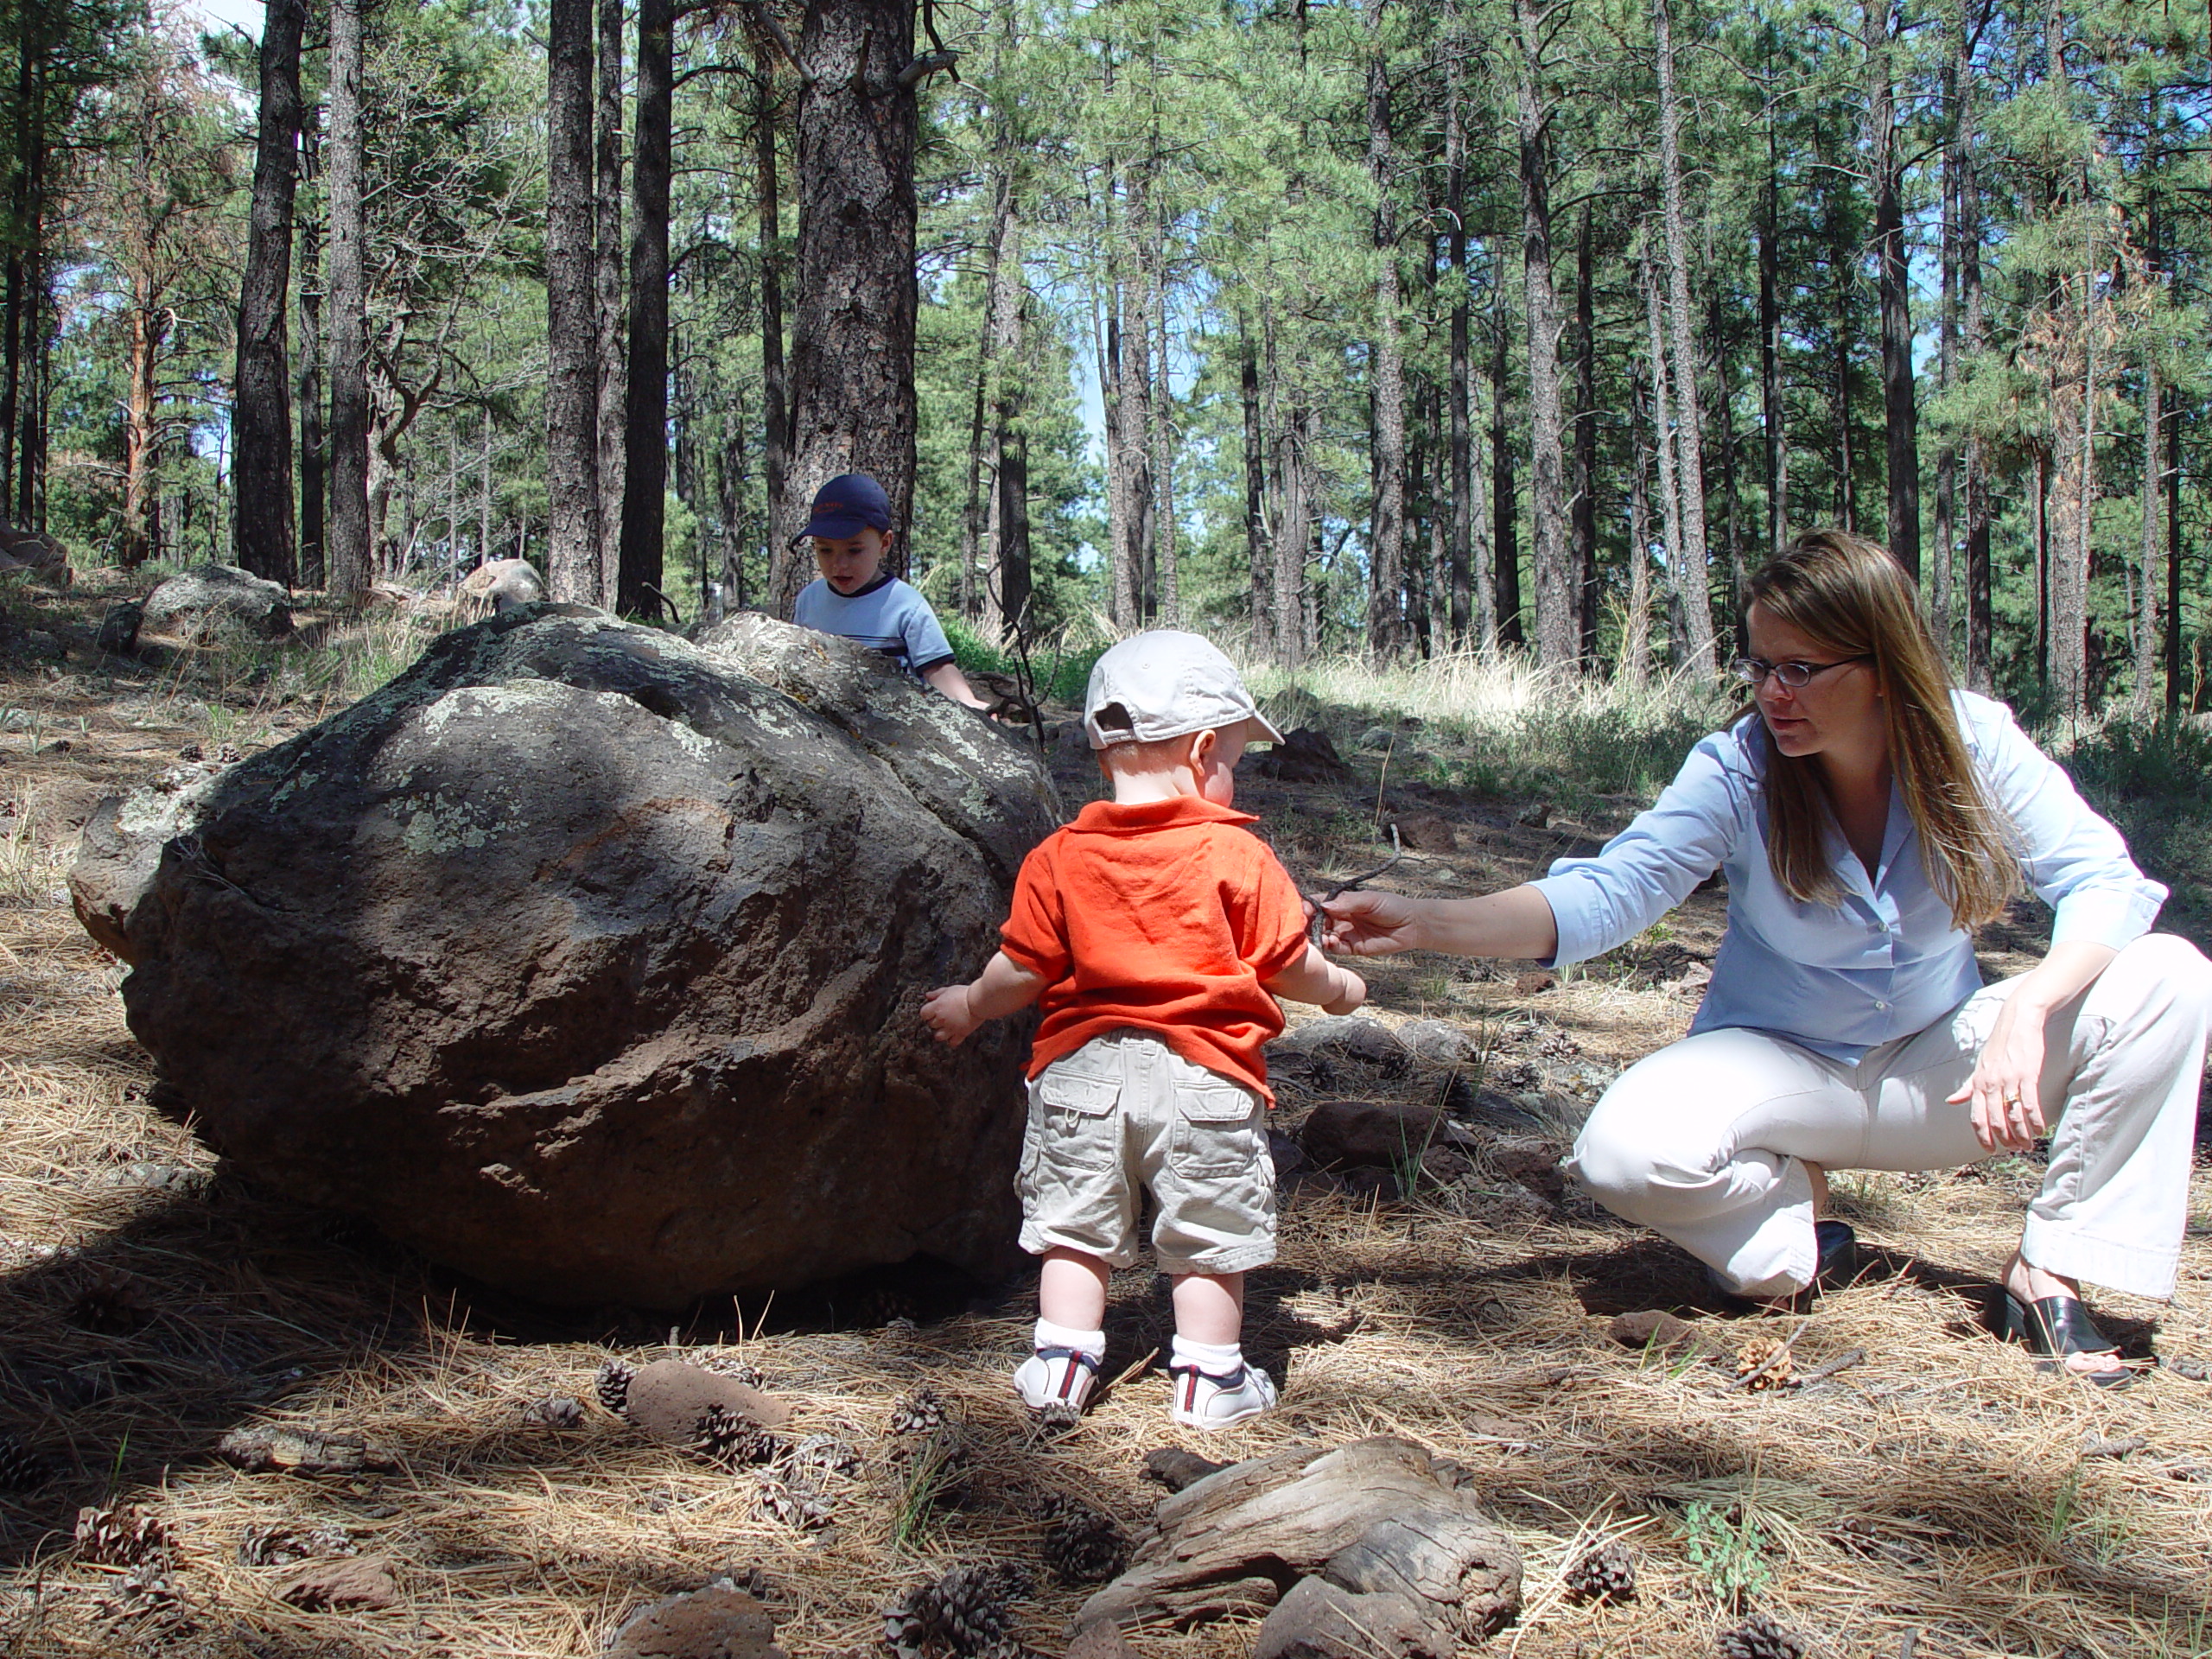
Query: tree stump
x,y
1364,1550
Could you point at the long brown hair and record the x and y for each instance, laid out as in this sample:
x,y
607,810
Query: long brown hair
x,y
1850,596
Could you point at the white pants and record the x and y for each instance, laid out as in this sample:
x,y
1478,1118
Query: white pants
x,y
1703,1141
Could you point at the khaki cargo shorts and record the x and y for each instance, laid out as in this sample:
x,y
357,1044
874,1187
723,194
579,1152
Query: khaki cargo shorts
x,y
1125,1112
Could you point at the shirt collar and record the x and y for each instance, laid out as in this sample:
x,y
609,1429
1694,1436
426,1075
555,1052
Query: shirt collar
x,y
1119,819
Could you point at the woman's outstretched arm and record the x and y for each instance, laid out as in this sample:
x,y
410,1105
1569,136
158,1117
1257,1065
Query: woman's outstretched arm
x,y
1517,923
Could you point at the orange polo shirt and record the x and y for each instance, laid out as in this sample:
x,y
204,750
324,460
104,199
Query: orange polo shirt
x,y
1164,915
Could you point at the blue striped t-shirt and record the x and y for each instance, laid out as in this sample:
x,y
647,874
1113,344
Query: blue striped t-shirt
x,y
887,615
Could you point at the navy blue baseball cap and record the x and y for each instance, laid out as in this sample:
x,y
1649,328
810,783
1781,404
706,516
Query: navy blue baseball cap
x,y
845,506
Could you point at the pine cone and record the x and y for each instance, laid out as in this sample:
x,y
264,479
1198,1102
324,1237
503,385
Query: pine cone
x,y
22,1468
282,1544
1758,1351
145,1591
1760,1637
824,1453
791,1503
612,1387
1082,1546
110,1302
731,1366
730,1437
964,1611
120,1537
555,1411
1607,1571
919,1413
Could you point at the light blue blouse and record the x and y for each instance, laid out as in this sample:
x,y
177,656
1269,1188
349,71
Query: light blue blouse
x,y
1887,962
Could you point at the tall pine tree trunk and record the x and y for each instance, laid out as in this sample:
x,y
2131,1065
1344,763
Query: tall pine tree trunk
x,y
1557,633
348,572
1458,544
787,565
314,469
1688,557
1257,553
572,569
2146,604
1585,440
612,394
1775,437
644,447
1635,627
1942,600
853,335
261,414
1168,559
1386,548
1667,442
1900,420
1966,193
1504,539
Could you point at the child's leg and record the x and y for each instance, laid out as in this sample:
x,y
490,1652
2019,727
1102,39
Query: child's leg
x,y
1210,1308
1072,1290
1210,1384
1070,1337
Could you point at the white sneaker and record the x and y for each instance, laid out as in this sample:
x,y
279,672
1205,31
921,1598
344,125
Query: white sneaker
x,y
1055,1377
1198,1399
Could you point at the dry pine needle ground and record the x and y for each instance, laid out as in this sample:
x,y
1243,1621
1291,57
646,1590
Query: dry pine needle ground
x,y
1939,1488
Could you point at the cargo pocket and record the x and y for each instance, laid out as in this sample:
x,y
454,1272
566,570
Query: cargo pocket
x,y
1076,1120
1218,1130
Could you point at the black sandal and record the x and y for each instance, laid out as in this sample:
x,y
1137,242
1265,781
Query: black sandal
x,y
2056,1327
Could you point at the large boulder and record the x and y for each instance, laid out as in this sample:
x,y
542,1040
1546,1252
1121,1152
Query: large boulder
x,y
588,960
500,585
198,599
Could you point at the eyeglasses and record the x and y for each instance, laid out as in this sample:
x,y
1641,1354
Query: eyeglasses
x,y
1753,671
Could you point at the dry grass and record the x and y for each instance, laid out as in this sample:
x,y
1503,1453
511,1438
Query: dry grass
x,y
1937,1488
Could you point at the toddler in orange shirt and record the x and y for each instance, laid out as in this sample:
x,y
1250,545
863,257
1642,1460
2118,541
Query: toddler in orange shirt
x,y
1157,931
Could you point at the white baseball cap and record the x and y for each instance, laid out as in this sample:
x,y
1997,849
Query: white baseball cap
x,y
1168,684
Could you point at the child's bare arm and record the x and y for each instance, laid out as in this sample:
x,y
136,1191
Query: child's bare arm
x,y
1317,980
953,1010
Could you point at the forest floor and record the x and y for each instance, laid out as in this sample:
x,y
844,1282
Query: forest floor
x,y
1937,1496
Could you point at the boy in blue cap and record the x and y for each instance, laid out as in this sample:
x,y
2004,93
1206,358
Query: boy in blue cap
x,y
858,598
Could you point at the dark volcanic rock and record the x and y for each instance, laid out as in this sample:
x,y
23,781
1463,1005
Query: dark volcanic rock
x,y
588,962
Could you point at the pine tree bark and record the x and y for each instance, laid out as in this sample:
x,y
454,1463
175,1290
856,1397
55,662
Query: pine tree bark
x,y
314,461
1900,418
1558,634
2146,606
1966,193
1167,557
788,567
1771,419
1504,540
1293,532
1258,556
1942,600
261,413
348,572
1386,543
19,307
1635,627
612,396
1667,441
1458,542
852,406
1585,440
645,475
572,569
1688,557
2173,558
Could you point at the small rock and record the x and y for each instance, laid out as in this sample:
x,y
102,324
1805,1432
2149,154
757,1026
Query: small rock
x,y
2095,1446
1440,1042
710,1623
363,1585
1376,1184
1535,982
1308,1184
2183,1365
1428,832
502,583
1535,815
118,632
668,1398
1304,756
1366,1134
1378,739
1349,1037
1442,1165
1651,1328
1289,1157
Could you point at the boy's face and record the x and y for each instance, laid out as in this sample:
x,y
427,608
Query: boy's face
x,y
850,563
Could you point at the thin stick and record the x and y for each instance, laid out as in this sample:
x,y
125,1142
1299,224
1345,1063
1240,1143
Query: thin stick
x,y
1772,1359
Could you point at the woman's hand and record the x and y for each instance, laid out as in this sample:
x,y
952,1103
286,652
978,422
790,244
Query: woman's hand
x,y
1372,923
2006,1108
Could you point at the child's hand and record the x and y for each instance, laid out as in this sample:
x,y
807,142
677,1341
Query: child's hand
x,y
950,1012
1354,992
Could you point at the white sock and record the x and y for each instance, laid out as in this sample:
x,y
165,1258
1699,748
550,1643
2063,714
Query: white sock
x,y
1049,1335
1214,1358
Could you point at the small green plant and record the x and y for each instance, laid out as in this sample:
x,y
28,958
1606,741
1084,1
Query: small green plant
x,y
927,1484
1727,1545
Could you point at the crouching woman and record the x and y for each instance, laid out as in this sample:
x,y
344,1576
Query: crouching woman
x,y
1867,817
